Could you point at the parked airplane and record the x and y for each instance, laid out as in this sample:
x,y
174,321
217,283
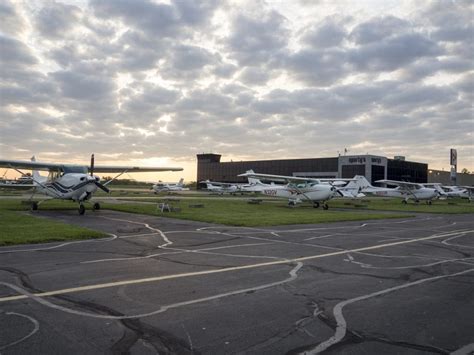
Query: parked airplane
x,y
297,189
452,191
405,190
169,187
220,187
253,185
72,182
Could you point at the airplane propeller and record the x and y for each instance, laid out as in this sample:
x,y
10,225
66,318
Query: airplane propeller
x,y
96,181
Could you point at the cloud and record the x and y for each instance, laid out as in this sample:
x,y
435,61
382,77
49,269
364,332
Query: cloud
x,y
263,80
55,19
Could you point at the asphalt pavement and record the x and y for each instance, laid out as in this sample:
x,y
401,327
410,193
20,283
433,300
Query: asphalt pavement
x,y
159,285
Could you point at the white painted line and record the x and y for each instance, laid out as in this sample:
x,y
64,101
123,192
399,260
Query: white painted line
x,y
113,237
30,334
44,302
341,322
228,269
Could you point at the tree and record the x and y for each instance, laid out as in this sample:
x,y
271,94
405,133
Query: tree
x,y
465,171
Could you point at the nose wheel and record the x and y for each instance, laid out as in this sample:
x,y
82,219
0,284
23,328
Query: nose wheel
x,y
325,207
96,206
34,206
82,209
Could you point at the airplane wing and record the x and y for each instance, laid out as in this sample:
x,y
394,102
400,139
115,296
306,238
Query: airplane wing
x,y
29,165
131,169
36,165
402,184
279,178
215,183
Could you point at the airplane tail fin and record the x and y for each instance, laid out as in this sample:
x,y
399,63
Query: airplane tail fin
x,y
252,181
181,182
360,182
35,174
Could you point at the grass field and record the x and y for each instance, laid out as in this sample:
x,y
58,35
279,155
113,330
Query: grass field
x,y
17,227
384,204
235,212
20,228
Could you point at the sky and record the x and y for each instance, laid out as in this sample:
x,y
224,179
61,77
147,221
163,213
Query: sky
x,y
155,82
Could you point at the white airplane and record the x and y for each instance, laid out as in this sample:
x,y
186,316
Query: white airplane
x,y
452,191
253,186
169,187
220,187
72,182
297,189
405,190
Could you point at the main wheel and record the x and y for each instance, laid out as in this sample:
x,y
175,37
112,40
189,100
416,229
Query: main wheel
x,y
82,209
325,207
428,202
316,204
404,202
96,206
291,203
34,206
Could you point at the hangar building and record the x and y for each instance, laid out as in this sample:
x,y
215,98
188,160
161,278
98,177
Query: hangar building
x,y
373,167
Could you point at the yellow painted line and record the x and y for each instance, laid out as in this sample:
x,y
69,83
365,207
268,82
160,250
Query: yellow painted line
x,y
235,268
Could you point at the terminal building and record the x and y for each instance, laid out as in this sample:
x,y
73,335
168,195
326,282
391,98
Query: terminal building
x,y
373,167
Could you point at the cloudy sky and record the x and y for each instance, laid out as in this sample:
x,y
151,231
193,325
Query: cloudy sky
x,y
155,82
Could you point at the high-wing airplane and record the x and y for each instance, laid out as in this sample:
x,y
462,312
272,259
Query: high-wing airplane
x,y
220,187
452,191
169,187
297,189
254,185
72,182
405,190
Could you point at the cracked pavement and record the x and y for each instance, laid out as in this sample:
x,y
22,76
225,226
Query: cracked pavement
x,y
159,285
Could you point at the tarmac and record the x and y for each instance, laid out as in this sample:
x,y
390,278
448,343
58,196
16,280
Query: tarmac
x,y
160,285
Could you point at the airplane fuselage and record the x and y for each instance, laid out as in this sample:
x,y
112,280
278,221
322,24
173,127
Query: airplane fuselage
x,y
315,193
74,186
424,193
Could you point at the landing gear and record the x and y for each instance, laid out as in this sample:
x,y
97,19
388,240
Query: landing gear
x,y
291,203
325,207
316,204
82,209
34,206
428,202
404,202
96,206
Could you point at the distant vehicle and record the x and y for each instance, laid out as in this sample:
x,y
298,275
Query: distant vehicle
x,y
405,190
169,187
71,182
298,189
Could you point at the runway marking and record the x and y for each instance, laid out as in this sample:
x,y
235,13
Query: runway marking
x,y
178,251
44,302
235,268
146,225
341,322
113,237
31,319
465,350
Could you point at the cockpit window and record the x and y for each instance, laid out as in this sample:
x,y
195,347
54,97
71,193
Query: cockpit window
x,y
67,169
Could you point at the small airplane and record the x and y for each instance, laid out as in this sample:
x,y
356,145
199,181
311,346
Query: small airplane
x,y
169,187
405,190
452,191
297,189
220,187
71,182
253,186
